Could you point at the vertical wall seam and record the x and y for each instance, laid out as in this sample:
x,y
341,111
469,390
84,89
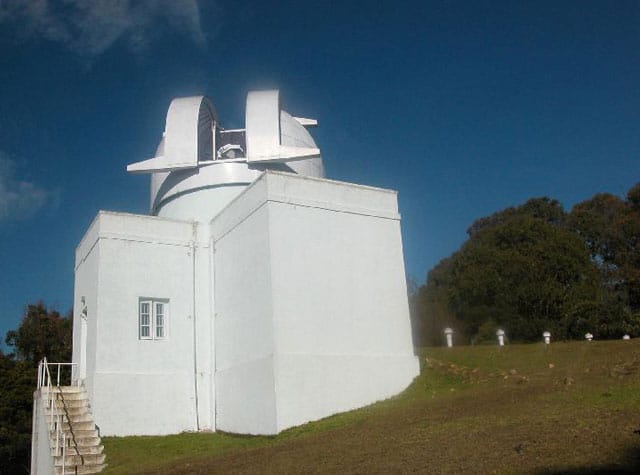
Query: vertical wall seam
x,y
194,231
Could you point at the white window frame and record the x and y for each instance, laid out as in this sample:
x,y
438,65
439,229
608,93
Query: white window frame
x,y
152,319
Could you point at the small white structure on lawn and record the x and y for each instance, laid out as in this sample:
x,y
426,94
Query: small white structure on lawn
x,y
448,333
588,336
256,296
500,335
547,337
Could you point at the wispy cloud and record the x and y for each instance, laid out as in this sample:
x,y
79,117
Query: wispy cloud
x,y
90,27
20,199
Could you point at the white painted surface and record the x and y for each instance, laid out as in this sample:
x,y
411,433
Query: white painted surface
x,y
264,131
245,399
448,333
188,184
500,335
547,337
329,304
188,136
82,366
145,257
41,459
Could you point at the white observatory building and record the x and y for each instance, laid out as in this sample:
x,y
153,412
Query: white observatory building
x,y
257,295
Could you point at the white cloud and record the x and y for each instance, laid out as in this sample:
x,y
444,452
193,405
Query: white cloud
x,y
20,199
90,27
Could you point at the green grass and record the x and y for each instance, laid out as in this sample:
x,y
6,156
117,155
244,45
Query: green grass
x,y
517,409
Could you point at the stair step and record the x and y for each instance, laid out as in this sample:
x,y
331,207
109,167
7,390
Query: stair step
x,y
72,411
88,441
70,396
73,416
70,403
64,389
80,460
82,434
81,470
62,412
77,417
83,449
67,410
77,427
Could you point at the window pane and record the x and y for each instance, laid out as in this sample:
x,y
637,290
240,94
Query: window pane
x,y
145,322
159,320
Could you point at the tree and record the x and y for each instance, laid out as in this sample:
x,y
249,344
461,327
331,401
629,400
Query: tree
x,y
610,227
42,332
431,300
521,269
527,276
17,383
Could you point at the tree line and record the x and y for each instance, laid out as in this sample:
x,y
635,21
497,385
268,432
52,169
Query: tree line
x,y
534,268
42,332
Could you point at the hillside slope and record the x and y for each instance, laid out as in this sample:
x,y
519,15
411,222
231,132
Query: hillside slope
x,y
570,408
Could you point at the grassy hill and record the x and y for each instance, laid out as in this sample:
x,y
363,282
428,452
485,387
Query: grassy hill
x,y
570,408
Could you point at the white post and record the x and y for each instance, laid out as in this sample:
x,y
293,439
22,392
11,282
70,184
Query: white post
x,y
500,335
449,334
547,337
588,336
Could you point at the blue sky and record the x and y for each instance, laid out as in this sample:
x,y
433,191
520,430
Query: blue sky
x,y
465,108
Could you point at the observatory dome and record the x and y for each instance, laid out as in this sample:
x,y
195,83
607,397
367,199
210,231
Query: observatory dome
x,y
199,167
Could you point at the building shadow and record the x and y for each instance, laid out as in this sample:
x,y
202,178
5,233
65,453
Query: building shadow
x,y
629,463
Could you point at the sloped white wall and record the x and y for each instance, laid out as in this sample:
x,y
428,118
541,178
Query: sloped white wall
x,y
310,287
245,397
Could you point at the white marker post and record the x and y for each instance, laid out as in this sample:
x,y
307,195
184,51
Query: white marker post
x,y
588,336
500,335
547,337
448,332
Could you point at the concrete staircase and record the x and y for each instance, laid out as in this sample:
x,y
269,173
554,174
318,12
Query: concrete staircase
x,y
84,453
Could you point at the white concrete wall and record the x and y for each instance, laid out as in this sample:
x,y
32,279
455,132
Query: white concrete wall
x,y
245,399
146,386
313,291
341,314
41,458
204,334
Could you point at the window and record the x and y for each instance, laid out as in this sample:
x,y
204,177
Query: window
x,y
153,317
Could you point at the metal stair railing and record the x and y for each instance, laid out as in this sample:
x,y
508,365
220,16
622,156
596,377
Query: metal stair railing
x,y
54,394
